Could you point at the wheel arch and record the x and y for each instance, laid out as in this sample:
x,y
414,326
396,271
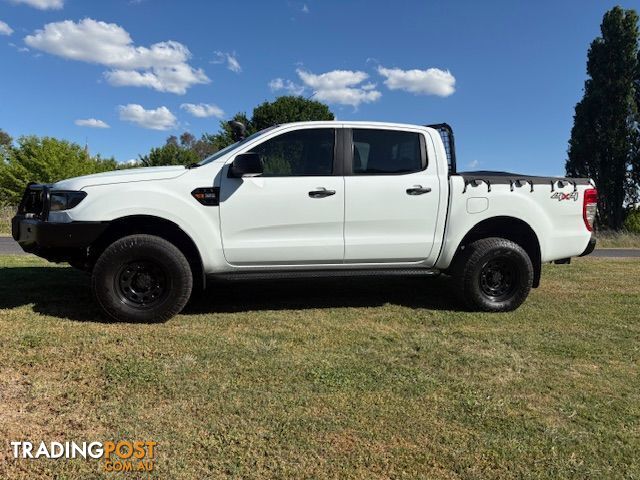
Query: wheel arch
x,y
153,225
510,228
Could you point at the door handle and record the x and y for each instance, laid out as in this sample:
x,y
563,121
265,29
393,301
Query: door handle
x,y
321,192
418,190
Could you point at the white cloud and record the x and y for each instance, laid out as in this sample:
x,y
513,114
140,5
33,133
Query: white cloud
x,y
276,84
432,81
340,86
20,49
474,164
230,59
91,122
5,29
233,64
162,66
203,110
305,8
159,119
42,4
288,86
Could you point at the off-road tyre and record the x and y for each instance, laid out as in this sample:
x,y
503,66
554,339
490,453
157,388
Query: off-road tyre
x,y
493,275
141,278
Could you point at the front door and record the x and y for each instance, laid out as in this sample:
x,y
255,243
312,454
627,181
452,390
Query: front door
x,y
291,214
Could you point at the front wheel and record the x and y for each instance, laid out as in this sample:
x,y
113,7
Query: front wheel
x,y
141,278
494,275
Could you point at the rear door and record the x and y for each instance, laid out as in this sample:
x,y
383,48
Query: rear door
x,y
391,197
294,212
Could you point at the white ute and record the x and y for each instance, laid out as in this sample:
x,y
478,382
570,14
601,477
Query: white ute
x,y
316,198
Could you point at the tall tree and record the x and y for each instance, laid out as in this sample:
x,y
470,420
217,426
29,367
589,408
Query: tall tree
x,y
605,138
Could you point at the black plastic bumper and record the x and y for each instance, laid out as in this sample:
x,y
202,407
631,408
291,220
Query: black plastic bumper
x,y
590,246
54,241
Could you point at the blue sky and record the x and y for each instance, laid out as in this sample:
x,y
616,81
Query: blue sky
x,y
505,74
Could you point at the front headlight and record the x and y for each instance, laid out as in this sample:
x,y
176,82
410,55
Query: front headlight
x,y
65,200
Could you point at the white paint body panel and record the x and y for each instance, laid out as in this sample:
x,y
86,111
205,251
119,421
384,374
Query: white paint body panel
x,y
271,223
385,224
272,220
559,226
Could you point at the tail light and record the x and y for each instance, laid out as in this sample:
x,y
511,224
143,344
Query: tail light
x,y
589,207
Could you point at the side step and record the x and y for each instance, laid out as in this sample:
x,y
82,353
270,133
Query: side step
x,y
346,273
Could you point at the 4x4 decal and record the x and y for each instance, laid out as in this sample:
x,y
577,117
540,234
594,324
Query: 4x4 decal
x,y
565,196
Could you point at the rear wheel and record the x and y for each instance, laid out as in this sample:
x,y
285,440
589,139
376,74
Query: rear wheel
x,y
141,278
494,275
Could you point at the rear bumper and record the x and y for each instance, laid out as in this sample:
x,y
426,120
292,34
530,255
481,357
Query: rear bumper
x,y
54,241
590,246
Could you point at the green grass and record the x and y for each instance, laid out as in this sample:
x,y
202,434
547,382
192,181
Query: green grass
x,y
331,379
608,239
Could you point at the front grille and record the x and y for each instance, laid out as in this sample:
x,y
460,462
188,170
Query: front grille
x,y
35,201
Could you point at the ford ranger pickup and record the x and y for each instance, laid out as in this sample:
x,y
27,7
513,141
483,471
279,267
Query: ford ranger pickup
x,y
310,198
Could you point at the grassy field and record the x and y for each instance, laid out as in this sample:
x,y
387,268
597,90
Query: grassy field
x,y
330,379
618,240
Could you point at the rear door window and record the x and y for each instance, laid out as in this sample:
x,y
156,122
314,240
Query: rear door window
x,y
379,152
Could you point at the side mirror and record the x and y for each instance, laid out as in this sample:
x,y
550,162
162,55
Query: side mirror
x,y
246,165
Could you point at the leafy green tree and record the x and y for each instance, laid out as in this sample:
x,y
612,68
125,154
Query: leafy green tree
x,y
202,147
289,109
171,153
45,160
632,222
5,139
284,109
181,151
605,143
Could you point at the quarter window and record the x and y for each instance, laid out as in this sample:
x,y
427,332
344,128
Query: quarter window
x,y
378,152
298,153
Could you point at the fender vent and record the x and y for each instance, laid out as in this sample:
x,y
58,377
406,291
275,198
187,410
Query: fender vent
x,y
209,196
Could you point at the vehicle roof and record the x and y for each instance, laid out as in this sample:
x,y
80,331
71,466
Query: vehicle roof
x,y
352,124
